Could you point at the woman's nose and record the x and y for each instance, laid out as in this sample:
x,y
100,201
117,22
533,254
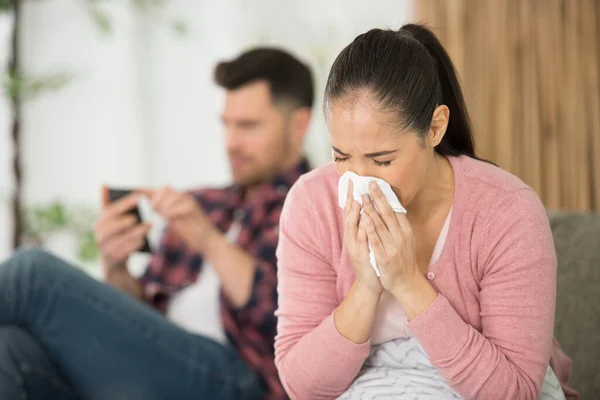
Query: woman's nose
x,y
359,170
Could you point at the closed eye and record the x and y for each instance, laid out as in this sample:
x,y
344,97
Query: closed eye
x,y
382,163
339,159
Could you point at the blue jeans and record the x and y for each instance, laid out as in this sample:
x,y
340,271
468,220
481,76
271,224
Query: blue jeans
x,y
64,335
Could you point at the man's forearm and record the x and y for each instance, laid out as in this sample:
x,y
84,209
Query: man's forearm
x,y
234,266
121,279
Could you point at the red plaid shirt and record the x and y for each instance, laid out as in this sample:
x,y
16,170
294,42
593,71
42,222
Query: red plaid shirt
x,y
251,330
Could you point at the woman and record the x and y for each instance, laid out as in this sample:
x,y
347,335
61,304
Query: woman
x,y
464,306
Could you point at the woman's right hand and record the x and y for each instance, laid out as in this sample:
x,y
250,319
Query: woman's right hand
x,y
355,236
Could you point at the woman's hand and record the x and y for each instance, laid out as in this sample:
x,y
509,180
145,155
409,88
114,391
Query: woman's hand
x,y
355,236
393,242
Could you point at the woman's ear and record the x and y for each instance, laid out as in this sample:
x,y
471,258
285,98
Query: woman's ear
x,y
439,124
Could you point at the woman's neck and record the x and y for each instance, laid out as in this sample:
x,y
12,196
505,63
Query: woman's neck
x,y
437,193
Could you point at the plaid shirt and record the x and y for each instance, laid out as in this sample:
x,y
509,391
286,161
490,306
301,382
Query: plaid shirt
x,y
251,330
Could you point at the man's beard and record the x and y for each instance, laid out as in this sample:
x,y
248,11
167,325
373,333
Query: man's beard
x,y
266,173
256,178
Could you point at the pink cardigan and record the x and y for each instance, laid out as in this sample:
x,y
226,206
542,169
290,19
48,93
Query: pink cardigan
x,y
490,330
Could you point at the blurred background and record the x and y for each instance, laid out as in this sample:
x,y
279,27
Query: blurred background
x,y
121,93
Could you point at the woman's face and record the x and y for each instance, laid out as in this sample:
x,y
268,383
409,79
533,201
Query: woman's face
x,y
365,140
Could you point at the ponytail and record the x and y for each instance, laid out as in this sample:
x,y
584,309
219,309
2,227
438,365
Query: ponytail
x,y
410,74
458,138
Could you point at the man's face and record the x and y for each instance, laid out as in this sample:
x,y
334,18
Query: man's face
x,y
256,134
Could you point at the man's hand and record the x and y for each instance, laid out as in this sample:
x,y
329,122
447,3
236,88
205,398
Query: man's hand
x,y
117,233
184,216
186,219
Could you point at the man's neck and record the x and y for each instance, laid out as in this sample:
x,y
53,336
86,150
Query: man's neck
x,y
253,191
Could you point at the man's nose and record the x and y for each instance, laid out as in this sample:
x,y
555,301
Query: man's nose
x,y
232,141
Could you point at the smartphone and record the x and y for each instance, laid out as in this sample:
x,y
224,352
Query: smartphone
x,y
116,194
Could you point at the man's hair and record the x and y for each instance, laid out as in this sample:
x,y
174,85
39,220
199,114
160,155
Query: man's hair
x,y
290,81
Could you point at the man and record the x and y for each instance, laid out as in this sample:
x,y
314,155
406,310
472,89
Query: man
x,y
64,335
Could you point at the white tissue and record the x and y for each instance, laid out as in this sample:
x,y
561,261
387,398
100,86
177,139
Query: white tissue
x,y
361,186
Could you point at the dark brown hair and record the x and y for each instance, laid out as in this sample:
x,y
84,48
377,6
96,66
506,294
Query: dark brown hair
x,y
410,74
289,80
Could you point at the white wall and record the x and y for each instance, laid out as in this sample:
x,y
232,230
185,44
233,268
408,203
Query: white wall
x,y
89,131
142,108
6,183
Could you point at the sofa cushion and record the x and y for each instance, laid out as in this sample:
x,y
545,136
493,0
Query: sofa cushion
x,y
577,326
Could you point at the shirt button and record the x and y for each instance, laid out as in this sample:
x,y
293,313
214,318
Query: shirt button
x,y
281,190
239,214
430,275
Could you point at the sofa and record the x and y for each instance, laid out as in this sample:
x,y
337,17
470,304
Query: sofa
x,y
577,325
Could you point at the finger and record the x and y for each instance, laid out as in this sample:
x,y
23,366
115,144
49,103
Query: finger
x,y
156,198
120,248
403,224
352,219
104,195
109,228
349,198
175,203
377,222
385,210
140,230
362,240
122,205
160,197
178,209
374,239
146,192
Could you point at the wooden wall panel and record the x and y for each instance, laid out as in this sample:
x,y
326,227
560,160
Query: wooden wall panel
x,y
530,71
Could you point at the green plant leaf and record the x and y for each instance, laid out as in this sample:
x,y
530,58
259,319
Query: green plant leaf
x,y
41,221
6,5
102,21
148,5
12,86
33,87
58,214
18,87
88,249
180,27
52,216
99,16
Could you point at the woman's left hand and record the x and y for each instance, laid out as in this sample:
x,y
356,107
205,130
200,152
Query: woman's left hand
x,y
393,242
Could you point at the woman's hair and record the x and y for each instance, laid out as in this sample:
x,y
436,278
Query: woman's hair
x,y
410,74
